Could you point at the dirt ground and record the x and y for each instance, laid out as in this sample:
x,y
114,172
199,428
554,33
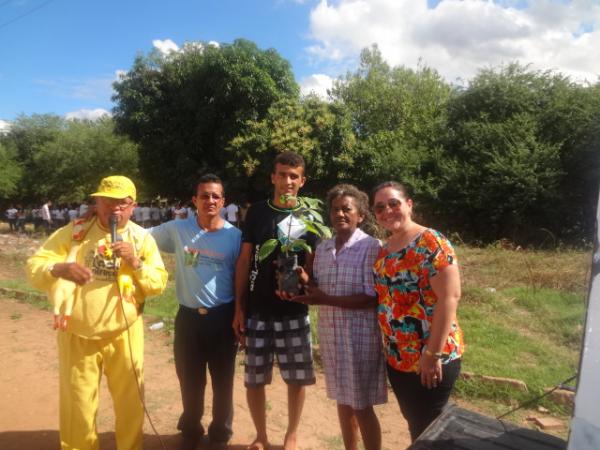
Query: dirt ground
x,y
29,395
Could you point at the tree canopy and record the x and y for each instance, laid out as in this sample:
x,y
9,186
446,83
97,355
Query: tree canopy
x,y
519,150
514,153
184,108
64,160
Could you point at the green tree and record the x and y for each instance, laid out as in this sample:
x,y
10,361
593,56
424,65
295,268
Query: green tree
x,y
10,172
62,160
317,130
510,132
183,109
27,134
398,116
69,167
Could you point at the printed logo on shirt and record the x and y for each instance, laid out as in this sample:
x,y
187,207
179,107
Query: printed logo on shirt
x,y
101,262
206,257
254,271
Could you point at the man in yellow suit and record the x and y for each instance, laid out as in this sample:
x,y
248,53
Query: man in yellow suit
x,y
98,289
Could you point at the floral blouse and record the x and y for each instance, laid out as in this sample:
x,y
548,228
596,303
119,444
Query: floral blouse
x,y
407,301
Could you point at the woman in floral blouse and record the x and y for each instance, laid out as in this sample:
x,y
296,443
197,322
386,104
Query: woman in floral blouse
x,y
418,287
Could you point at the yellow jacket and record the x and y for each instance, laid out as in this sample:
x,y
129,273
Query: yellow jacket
x,y
95,307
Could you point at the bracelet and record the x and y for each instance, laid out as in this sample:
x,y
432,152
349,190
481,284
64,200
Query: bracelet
x,y
436,355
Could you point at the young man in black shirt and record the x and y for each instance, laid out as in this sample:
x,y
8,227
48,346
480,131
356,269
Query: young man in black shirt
x,y
264,323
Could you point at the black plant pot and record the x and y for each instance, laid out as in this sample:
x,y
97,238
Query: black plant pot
x,y
287,277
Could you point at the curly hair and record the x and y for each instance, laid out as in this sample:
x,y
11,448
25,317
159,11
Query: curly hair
x,y
349,190
361,200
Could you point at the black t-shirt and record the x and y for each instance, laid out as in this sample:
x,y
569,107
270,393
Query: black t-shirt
x,y
261,224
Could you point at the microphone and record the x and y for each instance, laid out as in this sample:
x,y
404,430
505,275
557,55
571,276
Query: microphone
x,y
113,221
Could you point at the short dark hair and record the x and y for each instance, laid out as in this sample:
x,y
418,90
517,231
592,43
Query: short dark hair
x,y
349,190
391,184
289,158
208,178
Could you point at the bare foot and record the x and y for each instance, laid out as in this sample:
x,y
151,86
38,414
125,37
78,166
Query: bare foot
x,y
289,443
259,444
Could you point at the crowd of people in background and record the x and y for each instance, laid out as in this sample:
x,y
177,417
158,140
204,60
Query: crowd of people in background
x,y
51,215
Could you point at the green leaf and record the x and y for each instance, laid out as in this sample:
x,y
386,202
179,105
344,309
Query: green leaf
x,y
312,203
318,217
300,244
310,227
324,230
287,197
267,248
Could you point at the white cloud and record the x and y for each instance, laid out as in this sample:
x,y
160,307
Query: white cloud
x,y
166,46
87,114
316,84
459,37
4,126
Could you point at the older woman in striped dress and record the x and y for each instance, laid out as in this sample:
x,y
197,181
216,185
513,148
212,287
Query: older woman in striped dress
x,y
343,287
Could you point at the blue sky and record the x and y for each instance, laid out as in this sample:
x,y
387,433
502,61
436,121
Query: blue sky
x,y
63,57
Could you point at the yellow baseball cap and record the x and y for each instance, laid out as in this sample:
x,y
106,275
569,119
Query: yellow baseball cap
x,y
116,186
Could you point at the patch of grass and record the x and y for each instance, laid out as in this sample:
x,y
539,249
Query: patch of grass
x,y
32,296
18,284
562,313
533,336
163,307
564,270
16,316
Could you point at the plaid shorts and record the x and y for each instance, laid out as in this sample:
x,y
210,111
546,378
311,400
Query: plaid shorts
x,y
287,338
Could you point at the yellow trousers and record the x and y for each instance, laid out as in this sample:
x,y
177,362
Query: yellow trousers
x,y
81,363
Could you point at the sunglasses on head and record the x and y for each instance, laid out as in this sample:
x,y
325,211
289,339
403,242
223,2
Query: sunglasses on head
x,y
392,203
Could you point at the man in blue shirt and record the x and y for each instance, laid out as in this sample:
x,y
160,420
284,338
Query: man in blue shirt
x,y
206,249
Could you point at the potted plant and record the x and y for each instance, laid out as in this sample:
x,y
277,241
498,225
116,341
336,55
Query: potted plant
x,y
306,217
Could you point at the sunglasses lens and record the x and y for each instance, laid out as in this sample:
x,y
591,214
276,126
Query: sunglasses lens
x,y
392,203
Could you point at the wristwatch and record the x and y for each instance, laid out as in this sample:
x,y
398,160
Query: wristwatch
x,y
50,268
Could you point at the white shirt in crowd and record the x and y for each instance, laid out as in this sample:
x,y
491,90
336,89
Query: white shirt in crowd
x,y
46,213
180,213
72,214
137,214
11,213
232,212
155,213
145,213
